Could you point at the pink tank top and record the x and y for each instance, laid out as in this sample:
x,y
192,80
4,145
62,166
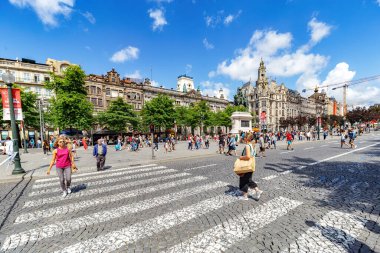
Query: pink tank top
x,y
63,158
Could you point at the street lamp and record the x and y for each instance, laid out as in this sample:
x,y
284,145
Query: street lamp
x,y
9,79
318,126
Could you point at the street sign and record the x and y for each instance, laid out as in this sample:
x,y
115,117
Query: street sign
x,y
16,103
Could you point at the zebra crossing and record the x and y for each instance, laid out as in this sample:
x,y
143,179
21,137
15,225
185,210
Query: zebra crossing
x,y
113,196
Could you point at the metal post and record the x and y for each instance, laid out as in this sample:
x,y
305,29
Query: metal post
x,y
17,169
153,156
318,127
41,123
23,133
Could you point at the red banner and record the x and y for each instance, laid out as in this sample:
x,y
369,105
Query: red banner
x,y
16,94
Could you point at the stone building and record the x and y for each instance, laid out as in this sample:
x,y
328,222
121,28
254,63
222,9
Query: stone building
x,y
267,100
271,102
104,88
32,76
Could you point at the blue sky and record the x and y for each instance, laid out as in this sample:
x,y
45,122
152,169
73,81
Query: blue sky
x,y
219,43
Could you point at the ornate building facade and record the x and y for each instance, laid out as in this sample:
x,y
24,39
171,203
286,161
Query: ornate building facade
x,y
271,102
102,89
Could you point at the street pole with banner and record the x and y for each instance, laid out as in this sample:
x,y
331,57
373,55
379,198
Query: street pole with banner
x,y
12,111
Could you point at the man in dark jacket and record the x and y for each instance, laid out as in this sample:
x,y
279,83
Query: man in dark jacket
x,y
100,152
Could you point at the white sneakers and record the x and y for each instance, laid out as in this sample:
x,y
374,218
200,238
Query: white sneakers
x,y
64,193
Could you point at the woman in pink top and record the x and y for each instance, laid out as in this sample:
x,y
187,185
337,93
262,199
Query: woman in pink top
x,y
64,161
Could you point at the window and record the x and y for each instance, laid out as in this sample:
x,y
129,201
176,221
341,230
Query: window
x,y
93,90
36,78
98,90
94,101
100,102
245,123
114,93
108,92
47,79
26,77
113,79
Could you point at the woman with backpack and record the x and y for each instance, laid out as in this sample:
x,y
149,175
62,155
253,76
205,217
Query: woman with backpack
x,y
245,180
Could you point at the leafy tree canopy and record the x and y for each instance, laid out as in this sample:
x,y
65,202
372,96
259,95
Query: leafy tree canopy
x,y
70,108
73,80
118,116
159,111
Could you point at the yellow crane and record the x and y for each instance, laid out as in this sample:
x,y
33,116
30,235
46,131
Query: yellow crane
x,y
344,85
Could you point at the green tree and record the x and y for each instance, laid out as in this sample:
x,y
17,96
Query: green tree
x,y
311,121
159,112
70,108
29,109
118,116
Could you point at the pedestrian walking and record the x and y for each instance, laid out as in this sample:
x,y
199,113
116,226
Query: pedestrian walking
x,y
289,139
46,147
64,163
262,145
352,136
84,142
245,180
274,141
9,148
100,152
343,138
222,144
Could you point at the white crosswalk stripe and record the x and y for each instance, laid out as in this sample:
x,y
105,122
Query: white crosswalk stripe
x,y
99,176
68,208
44,180
42,201
58,228
119,238
78,213
223,236
105,181
335,232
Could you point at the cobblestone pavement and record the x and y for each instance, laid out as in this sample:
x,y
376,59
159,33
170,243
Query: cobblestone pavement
x,y
317,198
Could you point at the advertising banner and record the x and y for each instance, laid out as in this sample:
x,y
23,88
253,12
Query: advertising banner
x,y
16,103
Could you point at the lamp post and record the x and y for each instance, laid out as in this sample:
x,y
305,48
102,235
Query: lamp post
x,y
318,126
9,79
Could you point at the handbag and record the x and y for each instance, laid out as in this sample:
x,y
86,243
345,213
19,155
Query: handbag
x,y
74,169
244,166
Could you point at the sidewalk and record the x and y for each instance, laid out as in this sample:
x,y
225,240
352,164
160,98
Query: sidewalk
x,y
35,163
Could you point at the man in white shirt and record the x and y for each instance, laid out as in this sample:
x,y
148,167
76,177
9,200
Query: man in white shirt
x,y
9,147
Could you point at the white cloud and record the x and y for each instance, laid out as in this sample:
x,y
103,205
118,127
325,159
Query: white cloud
x,y
207,44
135,75
281,60
363,94
230,18
212,89
319,30
158,17
126,54
220,17
89,17
47,11
189,68
88,48
378,2
155,84
161,1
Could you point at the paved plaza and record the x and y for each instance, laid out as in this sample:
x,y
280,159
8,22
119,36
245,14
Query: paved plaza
x,y
317,198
